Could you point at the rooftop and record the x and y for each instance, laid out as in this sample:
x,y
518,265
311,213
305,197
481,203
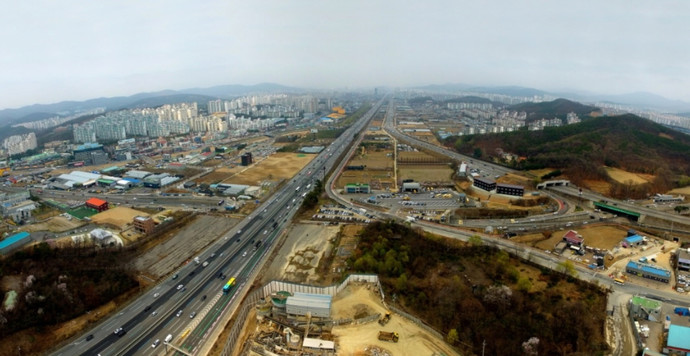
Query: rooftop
x,y
96,202
648,304
13,239
649,269
679,338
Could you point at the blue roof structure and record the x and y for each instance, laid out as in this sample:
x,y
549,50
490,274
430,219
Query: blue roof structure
x,y
679,338
133,180
88,146
13,239
634,239
649,269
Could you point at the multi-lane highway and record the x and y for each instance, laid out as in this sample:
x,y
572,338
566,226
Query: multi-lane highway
x,y
154,315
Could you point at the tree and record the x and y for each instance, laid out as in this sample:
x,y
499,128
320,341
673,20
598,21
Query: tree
x,y
475,240
568,268
477,153
452,336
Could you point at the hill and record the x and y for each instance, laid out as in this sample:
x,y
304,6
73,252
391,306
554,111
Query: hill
x,y
558,108
475,293
582,150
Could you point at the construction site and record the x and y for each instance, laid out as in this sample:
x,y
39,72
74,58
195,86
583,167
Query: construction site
x,y
346,319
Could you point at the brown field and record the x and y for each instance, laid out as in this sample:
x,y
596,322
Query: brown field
x,y
541,172
604,237
216,176
278,166
55,224
683,191
598,186
120,216
622,176
366,176
431,173
372,159
511,178
414,155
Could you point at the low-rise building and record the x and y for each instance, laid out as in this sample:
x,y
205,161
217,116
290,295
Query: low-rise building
x,y
510,189
487,184
14,242
645,308
648,271
319,305
678,341
144,224
98,204
354,188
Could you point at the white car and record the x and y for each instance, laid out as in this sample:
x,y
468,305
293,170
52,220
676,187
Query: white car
x,y
244,254
155,343
180,286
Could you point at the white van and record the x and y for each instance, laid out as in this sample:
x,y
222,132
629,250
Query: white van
x,y
168,338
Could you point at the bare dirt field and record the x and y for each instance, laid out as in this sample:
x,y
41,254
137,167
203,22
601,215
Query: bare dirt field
x,y
173,252
119,217
360,339
378,179
56,224
300,254
431,173
280,165
622,176
216,176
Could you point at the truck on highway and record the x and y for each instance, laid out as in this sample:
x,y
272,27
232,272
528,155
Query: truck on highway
x,y
297,190
168,338
197,260
388,336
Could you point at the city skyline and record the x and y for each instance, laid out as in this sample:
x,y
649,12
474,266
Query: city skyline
x,y
104,49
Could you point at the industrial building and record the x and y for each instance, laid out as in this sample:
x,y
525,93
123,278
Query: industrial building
x,y
159,180
98,204
90,153
648,271
411,187
510,189
354,188
318,305
678,342
634,240
487,184
573,238
14,242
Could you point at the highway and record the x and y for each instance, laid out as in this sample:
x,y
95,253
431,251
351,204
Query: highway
x,y
201,290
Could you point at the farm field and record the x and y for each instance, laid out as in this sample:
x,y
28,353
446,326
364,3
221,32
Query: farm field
x,y
431,173
373,159
604,237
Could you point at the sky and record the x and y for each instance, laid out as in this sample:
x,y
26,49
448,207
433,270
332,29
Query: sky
x,y
82,49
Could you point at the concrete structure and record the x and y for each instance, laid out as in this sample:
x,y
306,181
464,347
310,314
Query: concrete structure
x,y
14,242
311,149
487,184
143,224
319,346
98,204
19,212
644,308
678,342
510,189
137,174
648,271
319,305
85,152
354,188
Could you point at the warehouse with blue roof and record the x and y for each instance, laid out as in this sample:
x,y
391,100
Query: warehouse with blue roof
x,y
678,339
648,271
14,242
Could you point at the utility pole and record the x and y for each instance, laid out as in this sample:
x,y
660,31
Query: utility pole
x,y
483,346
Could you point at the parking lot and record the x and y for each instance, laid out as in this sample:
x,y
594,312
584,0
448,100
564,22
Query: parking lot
x,y
342,213
441,200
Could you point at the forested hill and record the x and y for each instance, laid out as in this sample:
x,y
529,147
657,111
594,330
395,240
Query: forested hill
x,y
558,108
581,150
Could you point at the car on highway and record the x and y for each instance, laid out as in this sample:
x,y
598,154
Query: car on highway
x,y
191,316
148,307
155,295
203,297
180,286
120,331
179,313
155,343
89,337
244,254
175,276
154,313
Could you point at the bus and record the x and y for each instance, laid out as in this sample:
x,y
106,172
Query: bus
x,y
619,281
229,285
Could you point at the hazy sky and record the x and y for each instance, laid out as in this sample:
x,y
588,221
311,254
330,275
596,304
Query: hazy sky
x,y
76,50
